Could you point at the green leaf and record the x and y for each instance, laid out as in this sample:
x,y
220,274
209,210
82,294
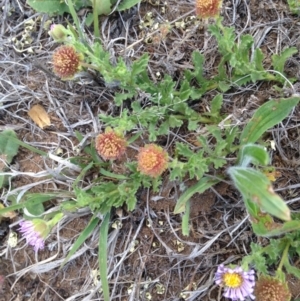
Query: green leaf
x,y
200,187
103,7
50,7
120,97
257,188
224,86
112,175
3,181
216,105
279,60
32,199
126,4
34,210
253,153
267,227
198,60
82,238
140,65
8,146
102,256
185,90
185,219
269,114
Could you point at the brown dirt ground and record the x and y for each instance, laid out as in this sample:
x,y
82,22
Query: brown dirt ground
x,y
163,263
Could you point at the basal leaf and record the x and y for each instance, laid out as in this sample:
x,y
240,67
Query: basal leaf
x,y
126,4
255,186
8,146
269,114
253,153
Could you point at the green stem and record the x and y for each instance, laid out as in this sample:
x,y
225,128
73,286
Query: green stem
x,y
75,18
102,255
86,65
284,257
96,22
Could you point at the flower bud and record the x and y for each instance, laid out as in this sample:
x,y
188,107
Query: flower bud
x,y
35,232
58,32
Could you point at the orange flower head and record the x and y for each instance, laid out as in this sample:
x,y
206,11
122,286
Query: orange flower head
x,y
271,289
208,8
66,62
110,145
152,160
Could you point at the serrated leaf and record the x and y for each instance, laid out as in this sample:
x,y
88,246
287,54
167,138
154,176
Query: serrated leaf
x,y
140,65
279,60
185,90
269,114
216,105
119,98
255,186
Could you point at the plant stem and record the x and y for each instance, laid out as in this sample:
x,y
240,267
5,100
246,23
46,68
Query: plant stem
x,y
102,256
284,256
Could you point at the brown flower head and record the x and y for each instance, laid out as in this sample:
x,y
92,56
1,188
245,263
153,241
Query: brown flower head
x,y
66,62
208,8
110,145
152,160
271,289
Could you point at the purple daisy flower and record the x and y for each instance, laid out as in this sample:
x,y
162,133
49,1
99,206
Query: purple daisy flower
x,y
237,283
34,232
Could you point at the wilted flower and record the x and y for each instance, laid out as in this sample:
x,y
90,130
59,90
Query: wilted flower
x,y
271,289
35,232
237,283
208,8
66,61
152,160
110,145
58,32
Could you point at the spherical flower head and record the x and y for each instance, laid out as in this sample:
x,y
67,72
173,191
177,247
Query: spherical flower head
x,y
66,62
58,32
208,8
35,232
110,145
237,283
271,289
152,160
